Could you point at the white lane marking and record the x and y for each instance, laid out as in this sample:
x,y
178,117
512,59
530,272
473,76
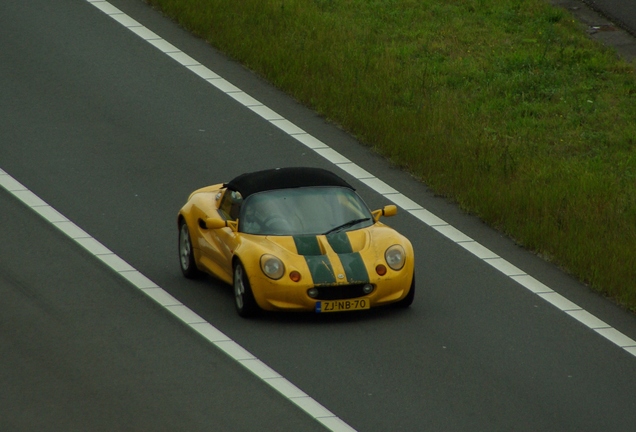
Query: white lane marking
x,y
365,177
174,306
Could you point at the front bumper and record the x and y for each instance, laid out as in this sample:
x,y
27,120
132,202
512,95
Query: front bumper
x,y
285,294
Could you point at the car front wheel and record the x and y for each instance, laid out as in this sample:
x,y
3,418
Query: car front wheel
x,y
243,298
186,254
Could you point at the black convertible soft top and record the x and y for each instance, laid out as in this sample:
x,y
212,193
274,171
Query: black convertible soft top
x,y
284,178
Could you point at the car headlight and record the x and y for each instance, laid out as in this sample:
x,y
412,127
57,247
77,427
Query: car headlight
x,y
395,257
272,267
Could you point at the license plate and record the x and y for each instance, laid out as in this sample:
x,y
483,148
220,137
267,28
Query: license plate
x,y
342,305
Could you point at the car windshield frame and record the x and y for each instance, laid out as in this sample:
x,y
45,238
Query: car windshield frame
x,y
314,210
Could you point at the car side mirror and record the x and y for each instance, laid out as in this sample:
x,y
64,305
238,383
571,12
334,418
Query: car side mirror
x,y
389,210
212,223
216,223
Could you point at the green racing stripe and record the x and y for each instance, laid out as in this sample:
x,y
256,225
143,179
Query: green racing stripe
x,y
307,245
339,242
354,267
352,262
321,269
319,265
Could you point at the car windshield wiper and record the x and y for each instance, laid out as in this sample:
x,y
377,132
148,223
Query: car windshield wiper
x,y
346,225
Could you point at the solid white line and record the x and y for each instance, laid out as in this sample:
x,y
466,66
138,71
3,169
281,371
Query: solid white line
x,y
174,306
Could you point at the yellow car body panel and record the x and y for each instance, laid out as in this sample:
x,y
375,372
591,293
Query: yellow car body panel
x,y
341,259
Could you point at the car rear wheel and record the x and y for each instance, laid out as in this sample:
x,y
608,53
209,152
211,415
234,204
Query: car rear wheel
x,y
243,298
408,300
186,255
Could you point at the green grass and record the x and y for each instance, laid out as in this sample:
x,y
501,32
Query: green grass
x,y
504,106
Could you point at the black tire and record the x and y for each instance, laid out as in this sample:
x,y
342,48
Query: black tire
x,y
408,300
186,254
244,301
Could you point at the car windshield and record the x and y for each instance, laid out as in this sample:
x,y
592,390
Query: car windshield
x,y
303,211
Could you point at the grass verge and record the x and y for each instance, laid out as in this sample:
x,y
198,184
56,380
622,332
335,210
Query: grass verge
x,y
505,106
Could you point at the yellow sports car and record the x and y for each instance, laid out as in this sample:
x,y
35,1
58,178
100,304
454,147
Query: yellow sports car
x,y
298,239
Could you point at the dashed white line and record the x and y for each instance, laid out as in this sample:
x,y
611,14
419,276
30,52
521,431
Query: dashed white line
x,y
370,180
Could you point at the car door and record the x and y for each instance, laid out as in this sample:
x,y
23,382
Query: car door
x,y
218,245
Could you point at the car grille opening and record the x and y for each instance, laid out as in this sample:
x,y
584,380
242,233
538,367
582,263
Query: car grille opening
x,y
340,292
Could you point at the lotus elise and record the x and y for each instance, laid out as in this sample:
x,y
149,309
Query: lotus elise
x,y
295,239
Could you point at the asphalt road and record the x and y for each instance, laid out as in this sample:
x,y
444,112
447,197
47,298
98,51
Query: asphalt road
x,y
621,11
114,135
80,350
609,22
